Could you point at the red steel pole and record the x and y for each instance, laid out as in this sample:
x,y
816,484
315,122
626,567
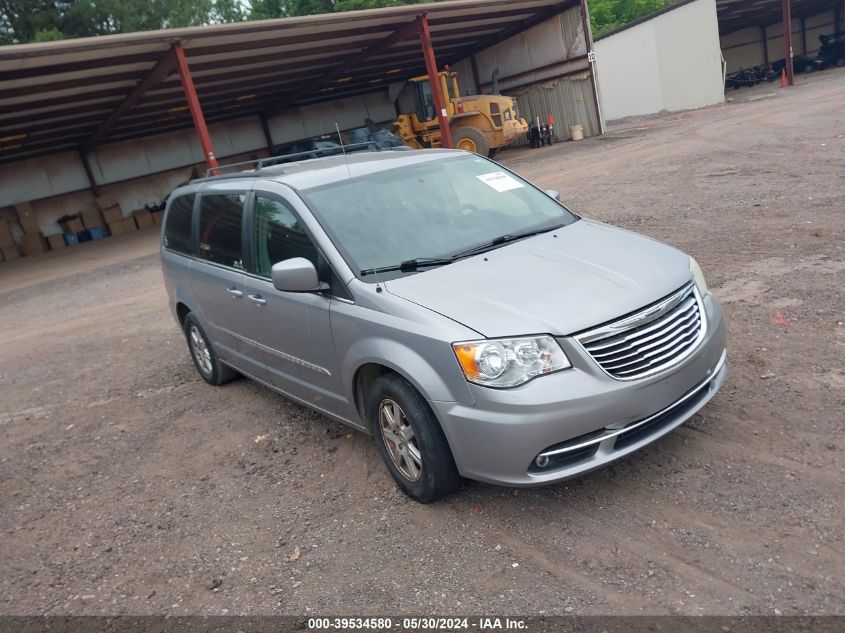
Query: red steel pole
x,y
434,80
195,107
787,41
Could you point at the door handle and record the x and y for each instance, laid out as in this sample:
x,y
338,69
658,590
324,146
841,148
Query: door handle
x,y
258,299
235,292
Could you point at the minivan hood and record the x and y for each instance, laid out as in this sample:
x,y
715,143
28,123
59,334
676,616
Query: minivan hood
x,y
559,283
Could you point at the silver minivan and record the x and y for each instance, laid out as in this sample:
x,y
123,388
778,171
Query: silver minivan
x,y
466,319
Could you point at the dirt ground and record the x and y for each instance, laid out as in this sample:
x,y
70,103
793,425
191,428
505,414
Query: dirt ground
x,y
129,486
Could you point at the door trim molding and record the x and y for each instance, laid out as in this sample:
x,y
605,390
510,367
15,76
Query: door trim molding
x,y
279,353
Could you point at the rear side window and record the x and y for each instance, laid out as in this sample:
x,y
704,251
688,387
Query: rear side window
x,y
221,219
279,235
177,231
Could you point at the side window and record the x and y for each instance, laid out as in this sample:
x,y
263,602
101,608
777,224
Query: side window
x,y
177,231
221,218
278,235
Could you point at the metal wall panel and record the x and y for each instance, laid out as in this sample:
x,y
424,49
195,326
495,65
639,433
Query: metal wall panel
x,y
569,100
313,120
553,41
545,69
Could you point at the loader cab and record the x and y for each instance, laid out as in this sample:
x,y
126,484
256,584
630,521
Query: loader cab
x,y
417,97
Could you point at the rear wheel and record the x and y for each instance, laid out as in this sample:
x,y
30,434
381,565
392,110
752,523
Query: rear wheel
x,y
410,440
470,139
205,359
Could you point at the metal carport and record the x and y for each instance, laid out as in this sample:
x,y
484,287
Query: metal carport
x,y
128,116
745,24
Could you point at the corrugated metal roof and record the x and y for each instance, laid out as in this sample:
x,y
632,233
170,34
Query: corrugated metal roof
x,y
57,96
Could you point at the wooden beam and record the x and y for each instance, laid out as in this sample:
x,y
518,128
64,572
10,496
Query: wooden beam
x,y
764,33
163,68
803,36
268,134
90,174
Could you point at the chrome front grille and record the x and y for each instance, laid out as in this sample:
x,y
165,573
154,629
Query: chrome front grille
x,y
650,341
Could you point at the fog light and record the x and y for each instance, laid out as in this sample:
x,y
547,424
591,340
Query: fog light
x,y
542,461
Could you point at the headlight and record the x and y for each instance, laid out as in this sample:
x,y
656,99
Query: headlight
x,y
508,362
698,276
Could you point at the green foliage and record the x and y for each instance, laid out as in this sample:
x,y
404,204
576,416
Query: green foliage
x,y
606,15
24,21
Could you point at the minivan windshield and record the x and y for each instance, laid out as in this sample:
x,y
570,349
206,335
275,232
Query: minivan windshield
x,y
431,212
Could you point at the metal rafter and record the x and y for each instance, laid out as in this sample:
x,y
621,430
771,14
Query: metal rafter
x,y
404,32
163,68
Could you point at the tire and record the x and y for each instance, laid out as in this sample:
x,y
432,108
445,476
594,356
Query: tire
x,y
840,62
432,474
202,353
491,153
472,138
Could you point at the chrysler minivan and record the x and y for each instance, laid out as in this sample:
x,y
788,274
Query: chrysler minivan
x,y
434,299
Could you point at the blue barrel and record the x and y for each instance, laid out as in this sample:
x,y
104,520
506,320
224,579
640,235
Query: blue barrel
x,y
84,236
97,233
71,239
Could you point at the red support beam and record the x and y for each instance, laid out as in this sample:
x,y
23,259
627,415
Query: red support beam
x,y
195,107
434,80
787,41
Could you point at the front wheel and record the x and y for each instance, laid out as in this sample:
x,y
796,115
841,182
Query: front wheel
x,y
470,139
410,440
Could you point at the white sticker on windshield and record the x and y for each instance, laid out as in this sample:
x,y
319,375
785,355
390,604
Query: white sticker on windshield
x,y
500,181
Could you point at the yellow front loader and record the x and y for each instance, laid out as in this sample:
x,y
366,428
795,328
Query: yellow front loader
x,y
479,123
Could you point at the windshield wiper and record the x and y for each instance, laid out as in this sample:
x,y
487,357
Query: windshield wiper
x,y
409,265
502,239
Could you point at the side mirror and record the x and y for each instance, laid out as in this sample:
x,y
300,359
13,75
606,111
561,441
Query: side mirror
x,y
295,275
554,195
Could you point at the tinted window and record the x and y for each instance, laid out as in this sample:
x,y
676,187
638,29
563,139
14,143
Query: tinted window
x,y
221,218
279,235
177,231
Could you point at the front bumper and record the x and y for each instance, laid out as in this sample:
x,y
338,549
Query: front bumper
x,y
580,418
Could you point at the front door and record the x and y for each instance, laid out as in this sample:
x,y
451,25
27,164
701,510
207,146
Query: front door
x,y
291,329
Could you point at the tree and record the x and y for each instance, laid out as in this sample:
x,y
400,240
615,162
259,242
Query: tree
x,y
606,15
24,21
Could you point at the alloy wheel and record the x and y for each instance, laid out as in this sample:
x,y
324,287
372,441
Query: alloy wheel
x,y
199,347
399,440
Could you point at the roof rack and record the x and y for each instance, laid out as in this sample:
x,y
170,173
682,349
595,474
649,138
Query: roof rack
x,y
260,163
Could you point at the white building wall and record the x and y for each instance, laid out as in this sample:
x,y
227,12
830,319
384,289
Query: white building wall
x,y
669,63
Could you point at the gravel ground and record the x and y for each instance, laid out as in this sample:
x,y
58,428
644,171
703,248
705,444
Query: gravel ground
x,y
129,486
